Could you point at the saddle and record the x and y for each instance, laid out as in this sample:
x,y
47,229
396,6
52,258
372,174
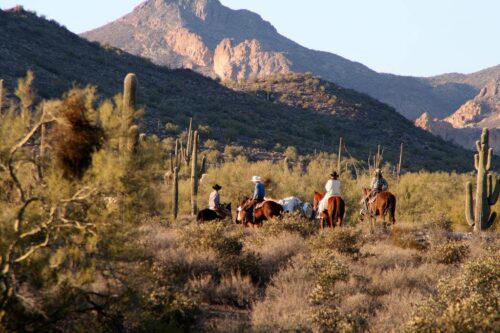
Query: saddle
x,y
260,204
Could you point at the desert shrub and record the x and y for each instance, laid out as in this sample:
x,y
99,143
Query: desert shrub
x,y
171,128
328,271
284,308
289,223
210,236
236,290
168,311
406,238
450,252
233,289
344,240
467,303
275,250
330,319
232,152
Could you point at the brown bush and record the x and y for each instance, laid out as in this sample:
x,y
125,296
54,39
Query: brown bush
x,y
74,138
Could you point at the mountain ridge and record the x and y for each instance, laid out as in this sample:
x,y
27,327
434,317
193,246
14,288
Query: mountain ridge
x,y
142,32
60,59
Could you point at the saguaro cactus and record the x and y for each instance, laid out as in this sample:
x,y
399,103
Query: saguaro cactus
x,y
339,157
1,95
129,131
400,163
175,193
478,213
196,173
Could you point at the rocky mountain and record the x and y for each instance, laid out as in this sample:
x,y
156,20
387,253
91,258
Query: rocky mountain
x,y
259,116
214,40
465,124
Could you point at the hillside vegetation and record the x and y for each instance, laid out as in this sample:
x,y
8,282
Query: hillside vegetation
x,y
88,242
60,59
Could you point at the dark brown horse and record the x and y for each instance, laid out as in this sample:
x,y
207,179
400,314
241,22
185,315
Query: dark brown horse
x,y
335,210
208,214
266,211
383,204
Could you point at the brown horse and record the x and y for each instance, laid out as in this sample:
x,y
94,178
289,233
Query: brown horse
x,y
335,210
266,211
208,214
383,204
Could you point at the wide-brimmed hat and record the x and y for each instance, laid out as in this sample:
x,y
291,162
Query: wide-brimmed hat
x,y
256,179
334,174
378,171
216,187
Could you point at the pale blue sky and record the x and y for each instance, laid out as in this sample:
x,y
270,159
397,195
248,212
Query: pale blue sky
x,y
414,37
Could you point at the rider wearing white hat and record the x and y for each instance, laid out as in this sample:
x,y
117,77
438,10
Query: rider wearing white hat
x,y
259,192
258,196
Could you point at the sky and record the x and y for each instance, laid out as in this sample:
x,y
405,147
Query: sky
x,y
406,37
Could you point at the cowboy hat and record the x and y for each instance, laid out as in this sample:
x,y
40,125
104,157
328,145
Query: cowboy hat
x,y
378,171
334,174
216,187
256,179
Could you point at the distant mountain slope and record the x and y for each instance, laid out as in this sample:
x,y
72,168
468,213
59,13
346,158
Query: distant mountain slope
x,y
60,58
237,44
465,125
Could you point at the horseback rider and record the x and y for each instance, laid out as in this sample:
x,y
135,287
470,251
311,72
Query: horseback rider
x,y
378,184
332,188
214,201
258,196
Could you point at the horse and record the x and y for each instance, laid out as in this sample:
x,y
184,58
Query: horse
x,y
265,211
291,205
335,210
383,204
208,214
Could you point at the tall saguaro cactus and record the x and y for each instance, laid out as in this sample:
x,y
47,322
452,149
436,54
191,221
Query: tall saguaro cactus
x,y
196,172
1,95
129,131
478,213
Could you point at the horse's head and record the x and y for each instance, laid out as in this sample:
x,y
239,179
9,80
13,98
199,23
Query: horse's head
x,y
317,198
241,211
366,191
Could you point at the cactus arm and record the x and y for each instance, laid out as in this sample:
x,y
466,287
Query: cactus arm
x,y
478,146
469,206
476,161
491,220
489,158
494,190
203,166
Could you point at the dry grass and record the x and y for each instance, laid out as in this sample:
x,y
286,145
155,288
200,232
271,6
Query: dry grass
x,y
340,279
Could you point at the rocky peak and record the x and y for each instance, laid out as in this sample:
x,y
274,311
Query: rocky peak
x,y
200,8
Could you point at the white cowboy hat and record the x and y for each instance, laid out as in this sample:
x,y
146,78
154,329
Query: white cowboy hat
x,y
256,179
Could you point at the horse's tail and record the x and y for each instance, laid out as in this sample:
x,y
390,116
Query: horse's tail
x,y
340,211
392,209
199,216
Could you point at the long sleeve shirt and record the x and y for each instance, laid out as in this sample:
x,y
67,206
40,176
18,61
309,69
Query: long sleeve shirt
x,y
332,187
259,192
214,200
379,184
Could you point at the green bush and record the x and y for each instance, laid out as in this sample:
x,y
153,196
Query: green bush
x,y
344,240
291,223
467,303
